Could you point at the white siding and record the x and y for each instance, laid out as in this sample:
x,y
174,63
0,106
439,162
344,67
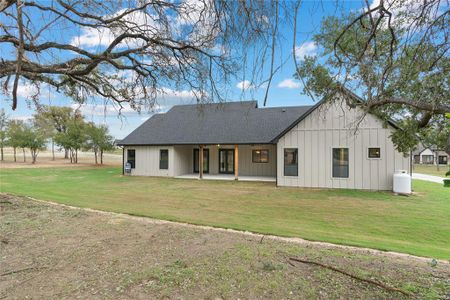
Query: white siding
x,y
333,125
147,161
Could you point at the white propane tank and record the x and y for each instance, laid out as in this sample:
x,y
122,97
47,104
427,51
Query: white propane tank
x,y
402,182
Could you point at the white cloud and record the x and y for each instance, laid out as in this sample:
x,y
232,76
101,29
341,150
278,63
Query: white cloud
x,y
165,99
305,49
101,109
22,118
26,90
289,83
405,13
245,85
93,37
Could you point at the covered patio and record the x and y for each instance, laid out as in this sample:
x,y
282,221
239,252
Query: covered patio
x,y
228,177
245,162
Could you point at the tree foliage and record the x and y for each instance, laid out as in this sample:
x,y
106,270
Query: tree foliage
x,y
98,140
16,135
132,51
74,137
394,54
33,138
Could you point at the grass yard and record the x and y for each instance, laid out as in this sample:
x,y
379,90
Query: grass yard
x,y
54,252
417,225
431,170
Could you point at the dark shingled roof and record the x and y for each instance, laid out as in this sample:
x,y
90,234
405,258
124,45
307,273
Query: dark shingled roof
x,y
216,123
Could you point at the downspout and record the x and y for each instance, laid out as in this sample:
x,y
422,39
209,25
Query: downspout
x,y
410,163
123,160
276,165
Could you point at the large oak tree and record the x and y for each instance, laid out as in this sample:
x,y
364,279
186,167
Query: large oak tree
x,y
395,56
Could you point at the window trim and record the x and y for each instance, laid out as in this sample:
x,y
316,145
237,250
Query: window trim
x,y
260,162
340,147
160,156
368,152
284,162
133,165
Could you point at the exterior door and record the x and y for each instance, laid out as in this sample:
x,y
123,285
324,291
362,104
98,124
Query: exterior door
x,y
205,160
226,161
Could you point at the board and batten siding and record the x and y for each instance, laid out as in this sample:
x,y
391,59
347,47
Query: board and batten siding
x,y
246,166
336,125
181,160
147,160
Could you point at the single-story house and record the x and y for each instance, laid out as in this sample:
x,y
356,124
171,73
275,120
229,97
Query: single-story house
x,y
430,155
328,145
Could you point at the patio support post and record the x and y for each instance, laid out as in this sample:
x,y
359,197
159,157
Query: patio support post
x,y
200,162
236,162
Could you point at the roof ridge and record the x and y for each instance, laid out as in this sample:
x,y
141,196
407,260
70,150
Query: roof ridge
x,y
217,103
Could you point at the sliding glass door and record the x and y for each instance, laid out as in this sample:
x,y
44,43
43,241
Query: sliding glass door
x,y
205,160
226,161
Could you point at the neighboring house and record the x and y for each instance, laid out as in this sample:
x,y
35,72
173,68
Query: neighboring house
x,y
328,145
430,155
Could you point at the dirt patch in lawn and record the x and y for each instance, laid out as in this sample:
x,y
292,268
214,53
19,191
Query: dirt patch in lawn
x,y
50,251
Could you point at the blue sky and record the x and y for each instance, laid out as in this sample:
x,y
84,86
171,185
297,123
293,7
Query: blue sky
x,y
284,90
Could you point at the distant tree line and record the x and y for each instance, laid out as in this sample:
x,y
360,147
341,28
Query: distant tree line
x,y
60,126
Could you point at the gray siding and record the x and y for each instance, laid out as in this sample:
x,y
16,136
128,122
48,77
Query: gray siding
x,y
181,160
334,126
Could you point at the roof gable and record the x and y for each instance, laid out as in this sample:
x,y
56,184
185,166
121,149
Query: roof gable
x,y
346,93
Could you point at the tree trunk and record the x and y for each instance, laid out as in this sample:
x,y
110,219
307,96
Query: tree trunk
x,y
53,149
66,154
76,156
15,158
2,153
101,157
24,157
95,155
33,155
71,156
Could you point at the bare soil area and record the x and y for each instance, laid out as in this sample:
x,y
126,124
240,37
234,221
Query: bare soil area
x,y
45,159
54,252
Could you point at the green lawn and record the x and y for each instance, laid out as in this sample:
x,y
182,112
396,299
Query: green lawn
x,y
431,169
418,224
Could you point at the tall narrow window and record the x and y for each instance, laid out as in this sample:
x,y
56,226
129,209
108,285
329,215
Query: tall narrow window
x,y
131,157
340,162
164,159
290,162
260,156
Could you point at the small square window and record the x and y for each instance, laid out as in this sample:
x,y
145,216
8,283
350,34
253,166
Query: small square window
x,y
374,153
260,156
